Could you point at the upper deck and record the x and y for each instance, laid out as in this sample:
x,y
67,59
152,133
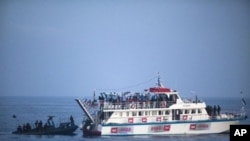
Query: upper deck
x,y
154,97
142,101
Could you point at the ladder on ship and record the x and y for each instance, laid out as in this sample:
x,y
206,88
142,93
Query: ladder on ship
x,y
83,107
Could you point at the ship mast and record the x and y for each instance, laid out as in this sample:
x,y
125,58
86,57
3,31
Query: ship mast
x,y
159,81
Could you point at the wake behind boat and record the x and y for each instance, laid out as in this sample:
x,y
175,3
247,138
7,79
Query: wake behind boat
x,y
49,128
156,111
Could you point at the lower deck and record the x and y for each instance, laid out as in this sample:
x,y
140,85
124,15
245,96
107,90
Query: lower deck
x,y
169,128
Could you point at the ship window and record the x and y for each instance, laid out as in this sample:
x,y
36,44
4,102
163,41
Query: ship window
x,y
140,113
146,113
159,113
127,114
154,112
181,112
167,112
134,113
120,114
186,111
193,111
199,111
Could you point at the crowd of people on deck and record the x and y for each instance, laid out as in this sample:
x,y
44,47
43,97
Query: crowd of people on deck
x,y
213,110
154,101
90,103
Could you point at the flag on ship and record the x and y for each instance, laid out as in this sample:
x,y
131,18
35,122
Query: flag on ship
x,y
243,101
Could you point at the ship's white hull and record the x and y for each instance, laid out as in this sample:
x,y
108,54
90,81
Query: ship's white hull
x,y
165,128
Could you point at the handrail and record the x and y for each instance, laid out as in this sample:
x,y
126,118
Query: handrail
x,y
135,105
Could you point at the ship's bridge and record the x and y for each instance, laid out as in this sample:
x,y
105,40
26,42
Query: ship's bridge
x,y
166,93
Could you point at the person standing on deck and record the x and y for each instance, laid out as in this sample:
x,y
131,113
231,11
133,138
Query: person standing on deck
x,y
218,109
72,120
214,110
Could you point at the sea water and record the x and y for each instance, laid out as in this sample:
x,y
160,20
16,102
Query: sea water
x,y
15,111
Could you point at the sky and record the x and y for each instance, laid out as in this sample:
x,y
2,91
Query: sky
x,y
73,48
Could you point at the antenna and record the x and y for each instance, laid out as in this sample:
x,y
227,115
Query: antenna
x,y
159,81
242,98
243,104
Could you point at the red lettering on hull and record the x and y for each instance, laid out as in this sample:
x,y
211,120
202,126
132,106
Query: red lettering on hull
x,y
130,120
158,118
166,127
144,119
201,126
125,129
160,128
113,130
192,126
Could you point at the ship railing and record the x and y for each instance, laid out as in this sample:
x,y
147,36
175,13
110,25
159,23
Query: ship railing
x,y
187,100
155,118
135,105
227,115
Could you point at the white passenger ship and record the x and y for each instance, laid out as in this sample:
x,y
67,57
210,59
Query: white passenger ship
x,y
158,111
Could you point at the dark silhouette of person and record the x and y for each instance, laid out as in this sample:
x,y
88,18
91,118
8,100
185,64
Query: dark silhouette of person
x,y
45,126
209,110
40,125
71,120
24,127
214,110
36,123
28,127
218,109
19,129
